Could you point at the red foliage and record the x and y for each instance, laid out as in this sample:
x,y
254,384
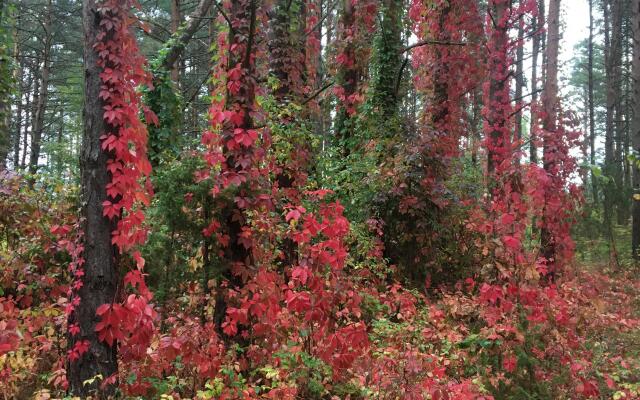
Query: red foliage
x,y
319,324
123,71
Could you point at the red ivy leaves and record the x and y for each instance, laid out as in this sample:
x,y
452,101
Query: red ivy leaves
x,y
123,71
80,347
131,322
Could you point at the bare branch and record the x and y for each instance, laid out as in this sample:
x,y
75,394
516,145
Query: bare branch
x,y
431,42
317,93
195,19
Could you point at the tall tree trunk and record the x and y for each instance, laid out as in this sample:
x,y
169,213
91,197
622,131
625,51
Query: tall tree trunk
x,y
591,106
475,137
326,107
17,130
286,50
635,25
550,122
17,126
38,124
241,41
5,88
59,164
35,96
388,45
617,30
543,39
538,28
498,89
101,260
627,183
348,77
624,213
519,84
175,25
612,43
286,47
21,151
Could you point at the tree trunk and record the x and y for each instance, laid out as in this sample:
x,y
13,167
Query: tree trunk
x,y
35,96
100,268
286,51
348,77
21,152
519,84
326,109
635,26
543,39
175,25
286,48
616,29
388,45
612,44
17,126
538,27
627,182
549,122
624,214
38,120
5,89
498,90
59,164
241,42
591,106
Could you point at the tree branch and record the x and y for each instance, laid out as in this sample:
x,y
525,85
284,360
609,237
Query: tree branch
x,y
527,95
252,32
225,16
317,93
432,42
195,19
329,10
399,78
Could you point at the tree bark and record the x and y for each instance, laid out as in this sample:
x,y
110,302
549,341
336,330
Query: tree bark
x,y
538,27
348,77
618,135
612,32
389,58
287,56
543,39
591,106
38,120
5,90
635,25
35,96
549,122
21,152
175,25
17,126
519,84
625,141
241,37
497,82
100,268
195,20
286,49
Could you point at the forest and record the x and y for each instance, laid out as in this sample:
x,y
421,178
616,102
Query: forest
x,y
320,199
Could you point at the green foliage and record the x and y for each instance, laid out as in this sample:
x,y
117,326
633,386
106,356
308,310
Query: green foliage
x,y
6,79
166,103
177,223
309,373
386,60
